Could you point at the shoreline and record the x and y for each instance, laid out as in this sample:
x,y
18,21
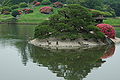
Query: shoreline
x,y
35,23
20,23
67,44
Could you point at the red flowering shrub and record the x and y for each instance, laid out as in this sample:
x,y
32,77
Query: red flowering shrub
x,y
27,11
46,10
37,3
108,30
58,5
20,12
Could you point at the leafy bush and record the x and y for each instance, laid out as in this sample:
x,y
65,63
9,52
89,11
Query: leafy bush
x,y
92,28
23,5
5,10
15,13
108,30
14,7
99,35
46,10
45,2
58,5
43,31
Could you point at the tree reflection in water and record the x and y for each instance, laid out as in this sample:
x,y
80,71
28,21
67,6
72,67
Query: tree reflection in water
x,y
70,64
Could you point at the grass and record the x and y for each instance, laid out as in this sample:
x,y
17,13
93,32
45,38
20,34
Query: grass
x,y
117,29
4,18
113,21
35,17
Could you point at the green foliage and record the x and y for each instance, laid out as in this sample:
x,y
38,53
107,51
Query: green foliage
x,y
5,2
15,13
96,13
46,2
93,4
116,7
5,9
23,5
43,31
70,23
92,28
99,35
88,36
14,7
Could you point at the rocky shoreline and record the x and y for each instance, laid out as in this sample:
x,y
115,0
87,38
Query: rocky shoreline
x,y
65,44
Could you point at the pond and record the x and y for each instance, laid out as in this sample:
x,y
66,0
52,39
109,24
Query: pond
x,y
22,61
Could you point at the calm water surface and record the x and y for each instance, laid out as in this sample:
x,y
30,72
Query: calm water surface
x,y
22,61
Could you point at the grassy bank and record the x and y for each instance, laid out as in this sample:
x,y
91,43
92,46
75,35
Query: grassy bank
x,y
35,17
113,21
117,31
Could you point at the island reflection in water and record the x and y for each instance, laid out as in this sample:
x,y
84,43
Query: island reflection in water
x,y
70,64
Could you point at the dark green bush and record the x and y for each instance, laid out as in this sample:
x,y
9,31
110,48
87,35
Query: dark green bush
x,y
45,2
15,13
14,7
99,35
43,31
92,28
23,5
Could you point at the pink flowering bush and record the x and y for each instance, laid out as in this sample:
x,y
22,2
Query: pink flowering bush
x,y
37,3
46,10
108,30
57,4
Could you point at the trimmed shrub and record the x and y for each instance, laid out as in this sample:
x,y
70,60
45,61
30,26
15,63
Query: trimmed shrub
x,y
37,4
45,2
68,23
108,30
58,4
15,13
5,10
23,5
46,10
27,11
14,7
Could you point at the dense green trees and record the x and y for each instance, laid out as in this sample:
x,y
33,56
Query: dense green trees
x,y
70,23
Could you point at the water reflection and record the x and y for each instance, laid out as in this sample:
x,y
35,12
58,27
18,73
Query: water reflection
x,y
70,64
109,52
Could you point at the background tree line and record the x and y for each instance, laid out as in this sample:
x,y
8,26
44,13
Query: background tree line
x,y
112,6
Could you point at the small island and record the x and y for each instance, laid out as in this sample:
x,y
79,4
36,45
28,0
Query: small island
x,y
73,26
